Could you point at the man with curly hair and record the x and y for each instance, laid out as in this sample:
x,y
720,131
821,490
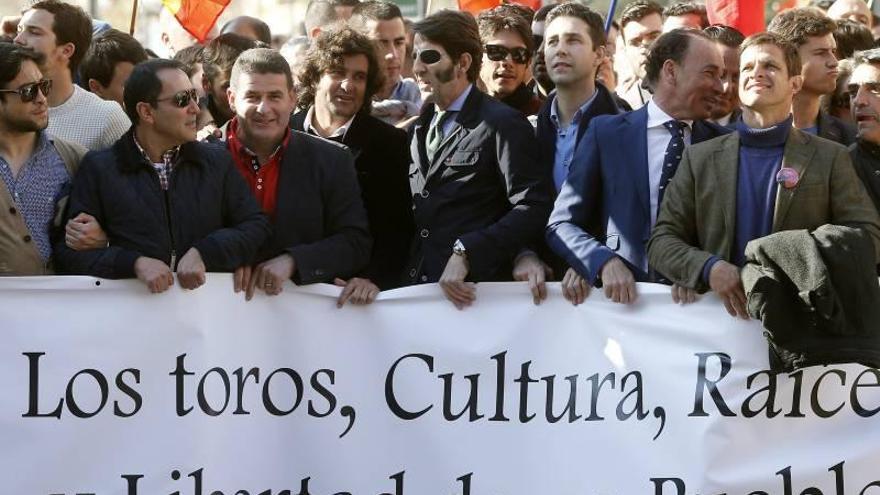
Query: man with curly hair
x,y
338,78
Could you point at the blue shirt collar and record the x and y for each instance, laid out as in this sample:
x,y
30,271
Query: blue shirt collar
x,y
457,103
554,110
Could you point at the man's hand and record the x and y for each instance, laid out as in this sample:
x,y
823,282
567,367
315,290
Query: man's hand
x,y
459,292
618,281
191,270
83,232
241,278
357,290
154,273
683,295
529,268
724,280
575,288
271,275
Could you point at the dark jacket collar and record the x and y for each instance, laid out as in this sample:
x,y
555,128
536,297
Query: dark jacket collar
x,y
131,159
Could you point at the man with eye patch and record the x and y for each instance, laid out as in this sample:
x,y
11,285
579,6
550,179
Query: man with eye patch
x,y
166,203
479,193
35,169
507,52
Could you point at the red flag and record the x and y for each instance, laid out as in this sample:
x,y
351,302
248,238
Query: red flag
x,y
745,15
196,16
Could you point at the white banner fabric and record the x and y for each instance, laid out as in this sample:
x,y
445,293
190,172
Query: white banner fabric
x,y
107,389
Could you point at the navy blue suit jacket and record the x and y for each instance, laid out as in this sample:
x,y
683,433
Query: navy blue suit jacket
x,y
603,209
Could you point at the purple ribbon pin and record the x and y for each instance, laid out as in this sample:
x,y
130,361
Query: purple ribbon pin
x,y
788,177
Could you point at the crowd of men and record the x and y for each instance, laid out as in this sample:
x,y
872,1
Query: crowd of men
x,y
374,153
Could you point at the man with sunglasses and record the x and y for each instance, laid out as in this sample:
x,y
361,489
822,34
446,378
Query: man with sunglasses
x,y
479,194
35,169
167,203
507,51
62,33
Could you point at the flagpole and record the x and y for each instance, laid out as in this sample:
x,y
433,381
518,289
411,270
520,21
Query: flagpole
x,y
134,10
608,20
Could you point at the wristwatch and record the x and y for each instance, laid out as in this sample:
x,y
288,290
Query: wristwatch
x,y
459,249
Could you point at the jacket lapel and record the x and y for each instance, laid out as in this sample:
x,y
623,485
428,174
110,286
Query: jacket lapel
x,y
634,135
725,166
417,143
798,152
467,118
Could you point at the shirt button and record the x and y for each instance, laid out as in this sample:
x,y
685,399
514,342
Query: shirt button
x,y
260,181
877,172
424,233
424,194
12,210
259,187
424,278
27,238
412,273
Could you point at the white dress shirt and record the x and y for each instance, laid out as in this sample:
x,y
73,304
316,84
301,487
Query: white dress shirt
x,y
658,140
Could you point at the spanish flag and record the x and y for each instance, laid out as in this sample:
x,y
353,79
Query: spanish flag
x,y
196,16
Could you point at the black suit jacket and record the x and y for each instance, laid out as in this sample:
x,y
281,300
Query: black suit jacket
x,y
319,216
485,187
834,129
381,158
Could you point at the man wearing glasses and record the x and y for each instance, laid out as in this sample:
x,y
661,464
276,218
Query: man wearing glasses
x,y
507,52
167,203
479,193
35,169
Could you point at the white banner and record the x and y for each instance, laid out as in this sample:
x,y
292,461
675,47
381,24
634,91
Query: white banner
x,y
107,389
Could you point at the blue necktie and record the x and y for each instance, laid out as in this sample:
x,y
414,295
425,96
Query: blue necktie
x,y
673,155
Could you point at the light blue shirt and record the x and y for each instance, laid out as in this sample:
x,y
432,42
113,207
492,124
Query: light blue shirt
x,y
456,107
566,140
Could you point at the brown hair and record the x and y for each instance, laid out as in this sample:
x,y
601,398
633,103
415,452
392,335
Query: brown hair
x,y
457,33
796,25
789,52
70,25
491,23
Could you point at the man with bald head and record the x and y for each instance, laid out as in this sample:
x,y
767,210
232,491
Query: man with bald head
x,y
248,27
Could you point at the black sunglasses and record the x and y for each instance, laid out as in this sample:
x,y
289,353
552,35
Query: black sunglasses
x,y
497,53
28,92
182,98
428,57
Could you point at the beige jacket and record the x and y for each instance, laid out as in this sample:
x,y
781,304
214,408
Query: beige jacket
x,y
19,255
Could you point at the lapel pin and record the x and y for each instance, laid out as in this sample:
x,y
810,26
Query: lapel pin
x,y
788,177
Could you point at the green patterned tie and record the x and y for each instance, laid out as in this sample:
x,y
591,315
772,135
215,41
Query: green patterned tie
x,y
435,135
